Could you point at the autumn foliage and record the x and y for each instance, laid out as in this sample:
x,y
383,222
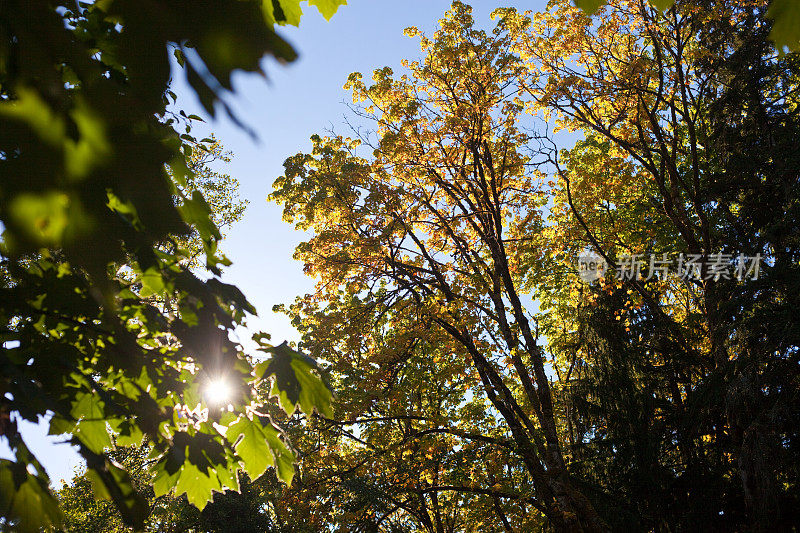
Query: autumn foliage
x,y
457,370
482,384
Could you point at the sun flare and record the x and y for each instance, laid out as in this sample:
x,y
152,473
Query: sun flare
x,y
218,392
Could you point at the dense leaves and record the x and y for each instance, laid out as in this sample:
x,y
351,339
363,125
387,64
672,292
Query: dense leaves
x,y
483,384
243,511
107,332
683,362
421,242
785,16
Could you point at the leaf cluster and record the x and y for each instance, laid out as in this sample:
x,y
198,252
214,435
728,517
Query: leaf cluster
x,y
107,330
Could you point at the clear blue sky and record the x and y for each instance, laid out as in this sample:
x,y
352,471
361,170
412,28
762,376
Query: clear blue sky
x,y
298,100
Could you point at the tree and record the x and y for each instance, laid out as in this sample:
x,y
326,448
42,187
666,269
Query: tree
x,y
669,104
106,328
84,512
219,190
422,240
445,259
659,97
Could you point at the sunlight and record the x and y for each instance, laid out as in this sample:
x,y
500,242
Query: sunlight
x,y
218,392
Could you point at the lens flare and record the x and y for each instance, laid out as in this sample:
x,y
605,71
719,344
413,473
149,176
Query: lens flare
x,y
218,392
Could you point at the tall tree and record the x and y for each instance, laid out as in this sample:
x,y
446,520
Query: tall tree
x,y
670,103
424,237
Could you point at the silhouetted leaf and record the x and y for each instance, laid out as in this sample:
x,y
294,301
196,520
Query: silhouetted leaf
x,y
785,15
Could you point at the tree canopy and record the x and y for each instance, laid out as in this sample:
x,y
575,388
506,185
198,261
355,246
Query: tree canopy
x,y
556,280
107,330
484,384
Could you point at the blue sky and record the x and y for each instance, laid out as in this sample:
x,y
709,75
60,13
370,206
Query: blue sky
x,y
296,101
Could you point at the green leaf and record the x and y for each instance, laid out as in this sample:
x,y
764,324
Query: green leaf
x,y
31,109
59,426
164,480
26,500
283,456
328,8
197,212
110,481
229,477
91,429
197,485
42,217
294,381
314,394
589,6
251,446
152,282
92,148
98,488
291,12
127,432
786,24
126,209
